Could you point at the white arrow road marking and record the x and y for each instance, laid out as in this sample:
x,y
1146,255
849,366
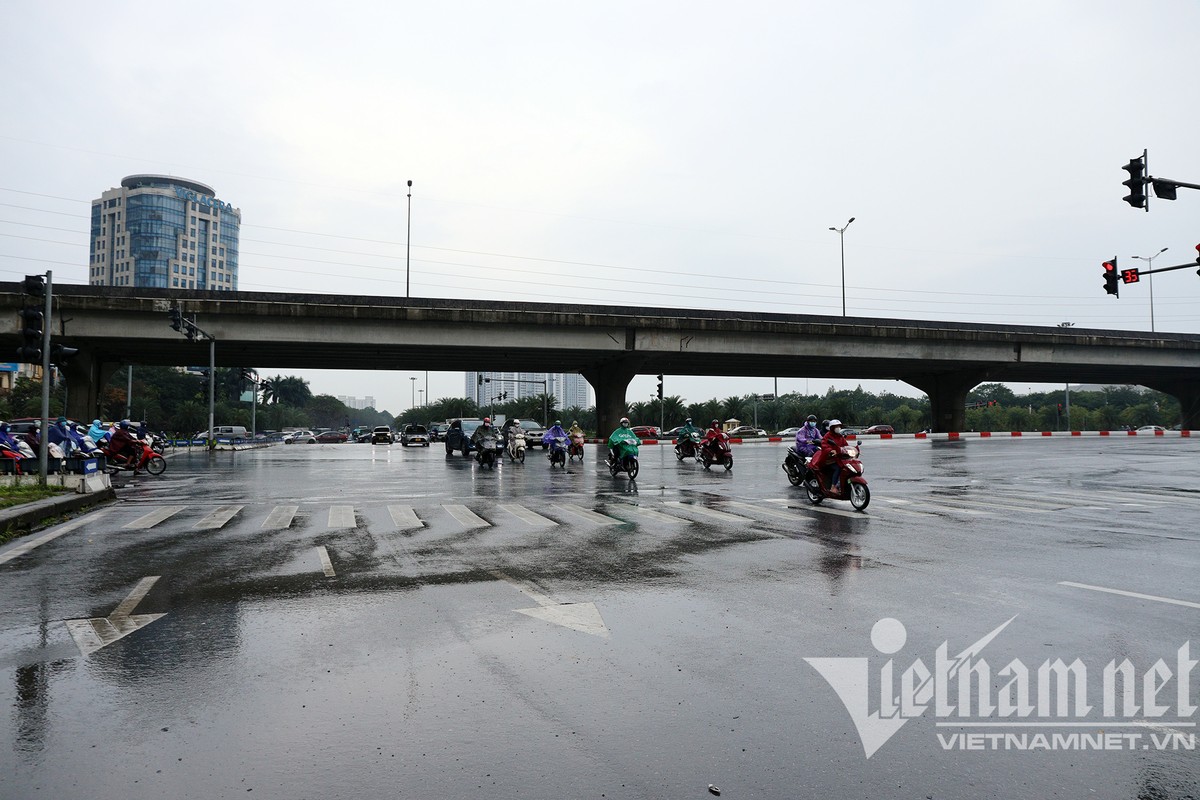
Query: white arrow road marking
x,y
92,634
326,564
405,517
707,512
25,547
218,518
525,515
582,617
153,518
590,516
280,518
466,517
342,517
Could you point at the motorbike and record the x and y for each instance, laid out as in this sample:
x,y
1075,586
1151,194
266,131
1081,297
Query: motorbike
x,y
688,447
558,451
576,447
626,459
853,486
148,461
486,456
716,451
794,464
516,447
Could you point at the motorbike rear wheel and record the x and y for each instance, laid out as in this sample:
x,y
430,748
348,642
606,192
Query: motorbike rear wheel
x,y
793,474
156,465
678,454
521,456
860,496
728,461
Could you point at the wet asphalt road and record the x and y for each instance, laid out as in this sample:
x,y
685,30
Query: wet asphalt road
x,y
349,621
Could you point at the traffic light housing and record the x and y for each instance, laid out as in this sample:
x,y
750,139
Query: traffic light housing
x,y
32,335
1136,183
1198,258
60,354
176,318
34,286
1111,276
660,387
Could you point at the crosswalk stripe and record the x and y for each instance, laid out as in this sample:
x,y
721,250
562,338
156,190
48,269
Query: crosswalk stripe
x,y
837,512
466,517
326,564
658,516
707,512
153,518
342,517
218,518
280,518
770,512
524,514
405,517
930,509
954,502
590,516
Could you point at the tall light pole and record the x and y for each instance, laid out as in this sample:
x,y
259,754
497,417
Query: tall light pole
x,y
1150,280
407,239
841,232
413,403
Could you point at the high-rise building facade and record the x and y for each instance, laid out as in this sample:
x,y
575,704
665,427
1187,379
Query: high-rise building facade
x,y
568,389
164,232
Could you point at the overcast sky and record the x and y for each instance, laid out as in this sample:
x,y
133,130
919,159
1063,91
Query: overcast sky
x,y
682,154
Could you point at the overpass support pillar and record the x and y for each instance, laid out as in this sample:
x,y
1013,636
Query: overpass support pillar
x,y
1187,392
86,378
947,396
609,381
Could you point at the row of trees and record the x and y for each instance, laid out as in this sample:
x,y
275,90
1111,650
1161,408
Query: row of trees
x,y
171,400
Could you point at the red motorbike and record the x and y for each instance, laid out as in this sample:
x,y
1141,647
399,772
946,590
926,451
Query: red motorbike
x,y
851,486
148,461
715,450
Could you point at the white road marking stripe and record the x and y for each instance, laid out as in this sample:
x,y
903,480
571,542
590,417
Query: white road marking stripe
x,y
133,598
280,517
466,517
341,517
326,564
590,516
1135,595
658,516
405,517
153,518
524,514
50,536
707,512
218,518
839,512
770,512
970,504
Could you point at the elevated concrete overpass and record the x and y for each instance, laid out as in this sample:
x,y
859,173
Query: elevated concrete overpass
x,y
608,345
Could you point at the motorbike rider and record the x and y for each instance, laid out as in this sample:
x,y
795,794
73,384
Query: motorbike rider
x,y
575,431
97,431
123,446
506,429
687,431
7,442
622,434
483,431
808,438
60,434
555,430
833,441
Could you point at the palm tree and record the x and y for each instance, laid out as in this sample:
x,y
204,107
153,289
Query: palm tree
x,y
292,391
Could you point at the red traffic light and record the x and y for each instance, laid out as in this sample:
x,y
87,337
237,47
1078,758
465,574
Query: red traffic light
x,y
1110,276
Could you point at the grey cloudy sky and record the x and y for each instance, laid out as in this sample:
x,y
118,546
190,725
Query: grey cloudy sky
x,y
685,154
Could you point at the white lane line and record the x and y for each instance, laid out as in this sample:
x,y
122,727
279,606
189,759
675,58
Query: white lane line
x,y
955,510
218,518
972,504
1135,595
341,517
590,516
770,512
49,536
153,518
837,512
405,517
326,564
524,514
707,512
466,517
280,518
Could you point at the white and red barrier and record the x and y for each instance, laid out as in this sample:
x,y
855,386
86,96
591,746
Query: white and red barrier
x,y
1186,434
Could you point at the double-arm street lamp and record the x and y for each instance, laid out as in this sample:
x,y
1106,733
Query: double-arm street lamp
x,y
841,232
1150,281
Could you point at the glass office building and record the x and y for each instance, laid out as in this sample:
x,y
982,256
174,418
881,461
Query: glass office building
x,y
164,232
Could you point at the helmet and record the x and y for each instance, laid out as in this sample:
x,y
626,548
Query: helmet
x,y
96,422
516,421
835,423
558,422
687,421
624,422
812,417
124,424
487,420
715,423
574,422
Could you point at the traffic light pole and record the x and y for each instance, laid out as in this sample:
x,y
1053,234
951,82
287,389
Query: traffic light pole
x,y
44,436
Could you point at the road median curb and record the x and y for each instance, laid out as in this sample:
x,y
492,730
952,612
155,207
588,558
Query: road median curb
x,y
24,518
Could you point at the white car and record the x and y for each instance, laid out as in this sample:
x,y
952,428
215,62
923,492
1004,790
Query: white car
x,y
300,437
1151,429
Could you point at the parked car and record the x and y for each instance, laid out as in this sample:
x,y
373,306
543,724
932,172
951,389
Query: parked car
x,y
458,437
672,433
331,437
437,431
646,431
880,429
744,431
382,434
292,437
533,433
414,434
789,431
1151,429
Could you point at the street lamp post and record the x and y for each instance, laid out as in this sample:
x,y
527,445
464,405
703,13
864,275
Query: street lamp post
x,y
413,402
841,232
407,238
1150,281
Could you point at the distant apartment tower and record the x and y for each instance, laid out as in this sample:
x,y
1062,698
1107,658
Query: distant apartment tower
x,y
569,389
357,403
164,232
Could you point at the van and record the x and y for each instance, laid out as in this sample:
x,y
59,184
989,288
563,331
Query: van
x,y
225,432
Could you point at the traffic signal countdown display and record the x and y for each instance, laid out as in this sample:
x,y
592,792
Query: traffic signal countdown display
x,y
1131,275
